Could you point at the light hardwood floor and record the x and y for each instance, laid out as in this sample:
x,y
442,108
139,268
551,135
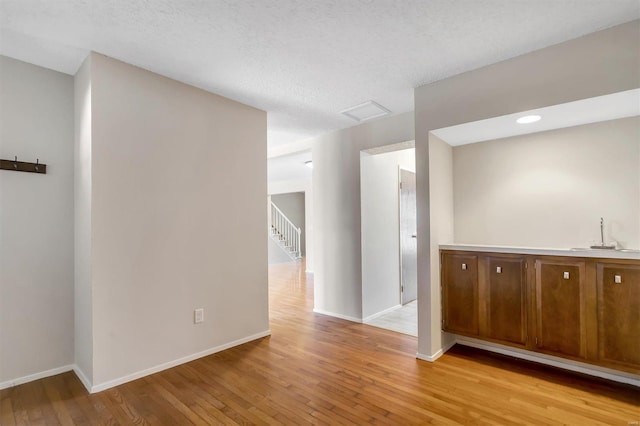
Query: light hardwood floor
x,y
316,369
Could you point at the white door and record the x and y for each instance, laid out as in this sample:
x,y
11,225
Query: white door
x,y
408,241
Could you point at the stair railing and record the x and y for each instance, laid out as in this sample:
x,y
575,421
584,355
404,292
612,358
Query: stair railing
x,y
285,231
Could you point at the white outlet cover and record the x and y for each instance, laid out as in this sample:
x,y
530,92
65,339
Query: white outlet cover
x,y
198,316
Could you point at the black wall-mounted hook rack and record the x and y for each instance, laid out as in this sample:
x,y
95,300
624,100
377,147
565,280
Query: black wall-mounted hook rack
x,y
22,166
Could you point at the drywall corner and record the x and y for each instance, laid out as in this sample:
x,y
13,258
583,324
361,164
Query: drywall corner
x,y
441,221
83,321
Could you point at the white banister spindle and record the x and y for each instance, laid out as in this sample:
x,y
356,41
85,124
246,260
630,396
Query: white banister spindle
x,y
282,228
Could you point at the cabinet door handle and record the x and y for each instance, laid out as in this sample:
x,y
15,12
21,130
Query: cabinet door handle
x,y
499,270
464,266
617,279
566,275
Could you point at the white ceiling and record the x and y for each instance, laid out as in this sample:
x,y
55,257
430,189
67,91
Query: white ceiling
x,y
289,167
301,61
593,110
283,166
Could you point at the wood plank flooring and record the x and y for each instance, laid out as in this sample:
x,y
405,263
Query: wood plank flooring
x,y
316,369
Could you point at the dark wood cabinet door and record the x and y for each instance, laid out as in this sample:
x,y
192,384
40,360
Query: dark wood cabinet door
x,y
505,299
460,293
560,307
618,298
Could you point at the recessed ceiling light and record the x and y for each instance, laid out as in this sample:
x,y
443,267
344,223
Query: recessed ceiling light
x,y
528,119
309,164
366,111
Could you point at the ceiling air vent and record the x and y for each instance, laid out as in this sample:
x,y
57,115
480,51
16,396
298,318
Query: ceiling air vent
x,y
366,111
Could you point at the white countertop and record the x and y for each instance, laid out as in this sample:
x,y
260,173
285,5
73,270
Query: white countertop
x,y
603,254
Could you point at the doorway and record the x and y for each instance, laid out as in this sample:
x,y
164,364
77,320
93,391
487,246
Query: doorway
x,y
388,229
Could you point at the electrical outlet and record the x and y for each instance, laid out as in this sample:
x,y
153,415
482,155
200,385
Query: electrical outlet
x,y
198,316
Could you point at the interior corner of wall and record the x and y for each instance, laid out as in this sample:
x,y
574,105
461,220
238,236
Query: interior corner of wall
x,y
447,340
84,379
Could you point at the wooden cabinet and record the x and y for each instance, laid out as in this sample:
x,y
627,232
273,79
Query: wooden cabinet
x,y
505,302
485,296
560,307
460,294
581,308
618,298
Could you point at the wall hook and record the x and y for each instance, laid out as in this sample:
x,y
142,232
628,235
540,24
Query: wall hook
x,y
21,166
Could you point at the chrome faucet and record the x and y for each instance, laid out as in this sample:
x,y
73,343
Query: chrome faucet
x,y
602,244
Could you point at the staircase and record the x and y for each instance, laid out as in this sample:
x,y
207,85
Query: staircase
x,y
284,232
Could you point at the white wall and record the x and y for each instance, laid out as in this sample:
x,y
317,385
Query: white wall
x,y
441,197
597,64
176,223
83,299
550,189
379,188
336,191
36,221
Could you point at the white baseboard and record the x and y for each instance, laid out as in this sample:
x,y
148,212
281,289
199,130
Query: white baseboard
x,y
35,376
378,314
333,314
139,374
579,367
438,354
83,377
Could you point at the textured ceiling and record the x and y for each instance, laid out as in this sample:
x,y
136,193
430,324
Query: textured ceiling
x,y
302,61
